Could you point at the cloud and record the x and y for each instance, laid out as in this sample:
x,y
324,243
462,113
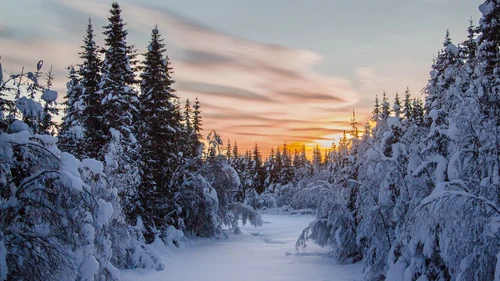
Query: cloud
x,y
212,90
249,91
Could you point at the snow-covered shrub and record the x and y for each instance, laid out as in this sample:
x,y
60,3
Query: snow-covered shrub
x,y
452,235
53,227
127,247
225,181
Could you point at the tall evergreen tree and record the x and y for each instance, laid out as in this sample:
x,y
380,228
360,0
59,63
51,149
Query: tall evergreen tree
x,y
71,131
120,109
376,110
160,138
120,103
396,107
257,170
287,174
92,122
408,105
197,123
385,111
354,125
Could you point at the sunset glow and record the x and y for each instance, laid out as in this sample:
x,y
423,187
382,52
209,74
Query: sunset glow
x,y
255,87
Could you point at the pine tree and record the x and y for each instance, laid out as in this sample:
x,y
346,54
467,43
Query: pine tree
x,y
257,170
408,105
229,151
397,106
236,153
354,125
92,123
385,110
376,110
47,125
287,174
71,132
161,133
188,132
469,47
120,109
119,102
197,123
317,158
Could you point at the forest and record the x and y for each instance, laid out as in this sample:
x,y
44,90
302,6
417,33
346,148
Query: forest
x,y
414,194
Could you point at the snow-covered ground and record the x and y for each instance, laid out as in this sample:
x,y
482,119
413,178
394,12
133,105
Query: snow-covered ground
x,y
258,254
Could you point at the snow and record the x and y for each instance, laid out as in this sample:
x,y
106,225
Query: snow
x,y
396,271
486,8
92,165
29,107
257,254
19,126
70,181
77,131
393,122
49,95
68,161
105,211
88,269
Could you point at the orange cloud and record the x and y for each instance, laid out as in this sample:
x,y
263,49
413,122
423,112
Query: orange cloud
x,y
249,91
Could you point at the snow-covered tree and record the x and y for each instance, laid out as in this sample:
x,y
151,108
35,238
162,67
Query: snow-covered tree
x,y
93,127
71,130
160,138
120,109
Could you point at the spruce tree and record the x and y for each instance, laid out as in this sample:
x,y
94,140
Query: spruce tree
x,y
229,154
287,174
197,128
354,125
257,170
92,122
120,109
119,100
188,132
376,110
71,132
160,137
396,107
408,105
385,107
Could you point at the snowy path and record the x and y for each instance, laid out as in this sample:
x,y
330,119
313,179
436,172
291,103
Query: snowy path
x,y
258,254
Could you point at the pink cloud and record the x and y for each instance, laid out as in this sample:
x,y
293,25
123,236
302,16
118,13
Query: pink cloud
x,y
249,91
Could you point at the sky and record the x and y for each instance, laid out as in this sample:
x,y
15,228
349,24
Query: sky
x,y
265,71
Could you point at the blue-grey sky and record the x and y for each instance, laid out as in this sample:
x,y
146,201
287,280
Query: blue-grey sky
x,y
264,70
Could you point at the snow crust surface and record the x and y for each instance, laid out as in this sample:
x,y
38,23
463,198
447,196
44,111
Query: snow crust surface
x,y
264,253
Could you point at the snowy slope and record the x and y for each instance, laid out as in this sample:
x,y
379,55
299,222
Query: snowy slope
x,y
258,254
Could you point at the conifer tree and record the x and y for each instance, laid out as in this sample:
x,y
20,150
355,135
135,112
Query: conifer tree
x,y
354,125
188,132
396,107
119,100
229,151
317,160
286,175
236,153
257,170
385,107
93,126
376,110
160,137
47,125
197,128
408,105
120,109
71,132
